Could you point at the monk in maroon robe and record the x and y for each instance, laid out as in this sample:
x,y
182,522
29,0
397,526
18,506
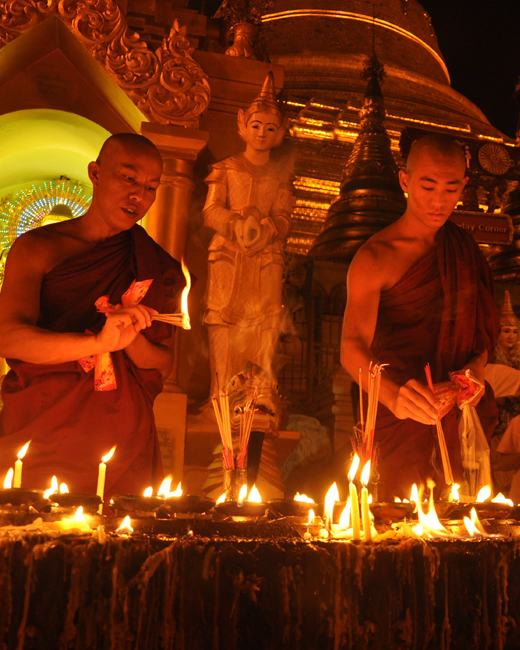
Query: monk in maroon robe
x,y
441,312
419,292
52,334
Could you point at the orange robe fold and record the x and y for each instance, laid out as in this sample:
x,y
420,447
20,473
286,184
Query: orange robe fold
x,y
55,405
442,311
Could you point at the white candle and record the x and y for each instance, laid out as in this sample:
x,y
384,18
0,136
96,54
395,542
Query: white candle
x,y
102,472
354,503
354,511
17,480
365,510
365,514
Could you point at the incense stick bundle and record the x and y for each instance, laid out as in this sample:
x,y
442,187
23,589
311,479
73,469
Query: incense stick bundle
x,y
246,424
177,319
445,457
368,430
221,409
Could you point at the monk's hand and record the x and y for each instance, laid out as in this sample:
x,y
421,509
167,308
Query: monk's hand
x,y
123,325
416,402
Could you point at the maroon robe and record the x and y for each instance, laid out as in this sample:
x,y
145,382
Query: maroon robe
x,y
71,425
442,311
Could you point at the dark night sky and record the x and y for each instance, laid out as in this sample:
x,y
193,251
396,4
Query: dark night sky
x,y
480,42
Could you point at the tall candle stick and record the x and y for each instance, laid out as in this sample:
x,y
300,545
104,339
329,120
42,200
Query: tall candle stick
x,y
365,510
102,472
354,503
17,480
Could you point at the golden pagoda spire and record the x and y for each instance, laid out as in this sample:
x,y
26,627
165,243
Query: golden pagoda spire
x,y
370,195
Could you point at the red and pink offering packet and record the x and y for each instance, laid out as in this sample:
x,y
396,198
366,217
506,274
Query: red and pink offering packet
x,y
104,374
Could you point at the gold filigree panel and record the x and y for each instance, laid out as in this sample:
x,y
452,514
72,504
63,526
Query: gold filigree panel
x,y
167,84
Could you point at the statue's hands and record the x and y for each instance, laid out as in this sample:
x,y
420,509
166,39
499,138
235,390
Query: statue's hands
x,y
246,233
265,233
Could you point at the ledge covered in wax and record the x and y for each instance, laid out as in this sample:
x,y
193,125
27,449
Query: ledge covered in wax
x,y
274,593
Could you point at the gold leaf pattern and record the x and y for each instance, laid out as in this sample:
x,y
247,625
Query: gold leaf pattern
x,y
167,85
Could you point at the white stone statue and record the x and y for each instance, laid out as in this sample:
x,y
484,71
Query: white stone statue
x,y
248,206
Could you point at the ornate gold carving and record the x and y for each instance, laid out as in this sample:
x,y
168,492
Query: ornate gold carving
x,y
167,85
494,158
183,90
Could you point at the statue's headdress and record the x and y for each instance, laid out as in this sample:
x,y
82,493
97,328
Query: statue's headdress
x,y
266,98
507,314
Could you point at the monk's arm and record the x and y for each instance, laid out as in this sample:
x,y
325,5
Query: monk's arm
x,y
146,354
364,281
21,338
477,366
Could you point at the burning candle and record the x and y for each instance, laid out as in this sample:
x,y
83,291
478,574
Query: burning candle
x,y
17,480
354,503
330,499
102,472
125,527
8,479
365,510
186,325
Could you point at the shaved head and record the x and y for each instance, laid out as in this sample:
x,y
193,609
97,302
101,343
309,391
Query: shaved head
x,y
129,142
437,146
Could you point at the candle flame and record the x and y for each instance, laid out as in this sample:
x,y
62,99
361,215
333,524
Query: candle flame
x,y
184,297
164,488
79,514
365,473
473,524
330,499
148,491
108,455
254,495
64,488
500,498
483,494
414,496
52,489
23,450
429,523
176,493
454,493
353,468
78,521
221,498
303,498
8,480
344,518
310,516
125,526
242,493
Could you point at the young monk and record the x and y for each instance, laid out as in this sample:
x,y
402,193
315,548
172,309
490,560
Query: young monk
x,y
419,291
64,392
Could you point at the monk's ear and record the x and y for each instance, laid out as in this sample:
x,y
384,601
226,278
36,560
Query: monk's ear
x,y
403,179
93,172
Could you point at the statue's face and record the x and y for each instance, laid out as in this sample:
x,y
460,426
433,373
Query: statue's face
x,y
508,336
262,130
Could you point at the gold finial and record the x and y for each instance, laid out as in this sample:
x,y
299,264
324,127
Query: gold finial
x,y
507,313
266,98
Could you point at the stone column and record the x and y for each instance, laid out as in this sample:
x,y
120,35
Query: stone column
x,y
167,223
167,220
